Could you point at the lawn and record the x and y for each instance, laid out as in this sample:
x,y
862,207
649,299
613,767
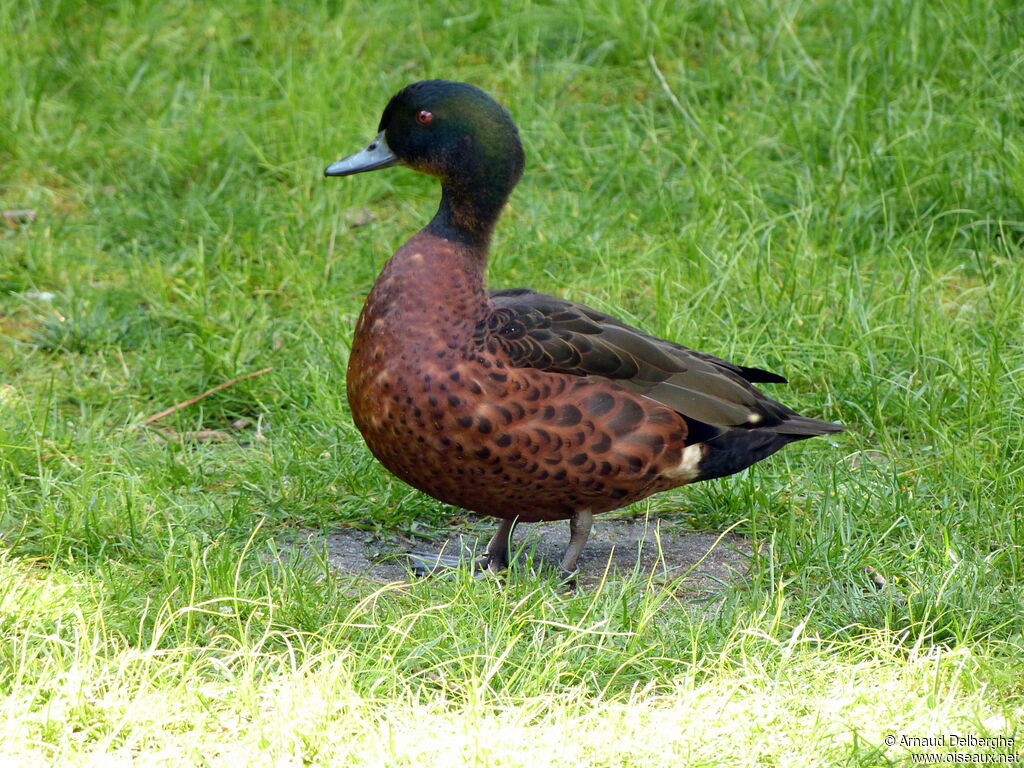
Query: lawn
x,y
834,191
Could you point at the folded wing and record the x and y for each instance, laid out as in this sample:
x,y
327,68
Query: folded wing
x,y
540,331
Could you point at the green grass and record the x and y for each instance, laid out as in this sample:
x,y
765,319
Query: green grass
x,y
831,190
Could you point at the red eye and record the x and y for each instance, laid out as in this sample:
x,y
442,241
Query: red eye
x,y
424,117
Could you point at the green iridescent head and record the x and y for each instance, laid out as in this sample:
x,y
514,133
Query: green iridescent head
x,y
453,131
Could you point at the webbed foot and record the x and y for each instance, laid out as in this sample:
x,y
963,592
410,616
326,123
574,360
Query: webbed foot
x,y
494,560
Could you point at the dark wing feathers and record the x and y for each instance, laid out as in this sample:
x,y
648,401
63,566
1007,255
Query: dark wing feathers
x,y
584,319
540,331
760,375
704,407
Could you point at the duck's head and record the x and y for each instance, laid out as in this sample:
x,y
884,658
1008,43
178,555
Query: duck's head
x,y
459,134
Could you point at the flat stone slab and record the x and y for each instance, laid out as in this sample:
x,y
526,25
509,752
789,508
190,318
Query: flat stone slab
x,y
656,549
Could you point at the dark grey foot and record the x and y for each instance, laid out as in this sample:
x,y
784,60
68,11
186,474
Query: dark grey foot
x,y
568,579
495,557
491,563
493,560
434,564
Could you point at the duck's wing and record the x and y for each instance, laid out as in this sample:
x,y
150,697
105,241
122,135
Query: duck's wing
x,y
540,331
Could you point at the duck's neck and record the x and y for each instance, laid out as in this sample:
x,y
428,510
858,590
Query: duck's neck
x,y
474,192
467,216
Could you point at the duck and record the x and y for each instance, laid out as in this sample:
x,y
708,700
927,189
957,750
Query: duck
x,y
516,404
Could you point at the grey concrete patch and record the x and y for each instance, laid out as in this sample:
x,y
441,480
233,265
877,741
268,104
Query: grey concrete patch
x,y
617,546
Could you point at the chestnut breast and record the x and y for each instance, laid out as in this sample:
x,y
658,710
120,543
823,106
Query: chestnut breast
x,y
442,410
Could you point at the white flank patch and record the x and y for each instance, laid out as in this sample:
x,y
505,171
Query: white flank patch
x,y
687,469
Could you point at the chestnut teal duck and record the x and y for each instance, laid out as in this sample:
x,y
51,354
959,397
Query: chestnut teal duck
x,y
513,403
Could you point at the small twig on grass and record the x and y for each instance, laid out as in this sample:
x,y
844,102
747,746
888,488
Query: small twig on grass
x,y
207,393
22,216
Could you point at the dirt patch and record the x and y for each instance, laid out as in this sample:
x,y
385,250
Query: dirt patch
x,y
617,546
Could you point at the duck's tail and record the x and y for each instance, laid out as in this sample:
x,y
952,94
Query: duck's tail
x,y
801,427
737,448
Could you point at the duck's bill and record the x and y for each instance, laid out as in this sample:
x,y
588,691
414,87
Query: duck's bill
x,y
377,155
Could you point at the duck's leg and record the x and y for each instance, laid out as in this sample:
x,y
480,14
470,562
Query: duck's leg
x,y
495,557
579,530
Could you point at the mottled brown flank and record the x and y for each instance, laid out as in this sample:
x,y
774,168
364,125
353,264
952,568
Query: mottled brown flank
x,y
441,409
